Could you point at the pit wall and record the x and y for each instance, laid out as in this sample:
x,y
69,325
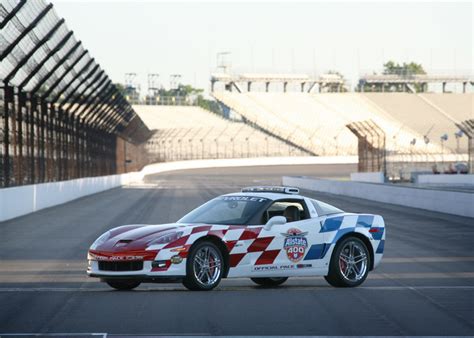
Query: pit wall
x,y
450,202
371,177
245,162
19,201
461,179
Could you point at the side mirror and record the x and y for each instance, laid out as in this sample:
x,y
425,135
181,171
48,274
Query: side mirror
x,y
275,220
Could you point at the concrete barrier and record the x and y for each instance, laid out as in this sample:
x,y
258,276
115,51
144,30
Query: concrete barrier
x,y
461,179
450,202
375,177
18,201
245,162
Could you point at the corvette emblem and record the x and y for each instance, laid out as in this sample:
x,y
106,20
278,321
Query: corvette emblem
x,y
295,244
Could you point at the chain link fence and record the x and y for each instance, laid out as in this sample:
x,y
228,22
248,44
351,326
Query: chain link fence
x,y
60,114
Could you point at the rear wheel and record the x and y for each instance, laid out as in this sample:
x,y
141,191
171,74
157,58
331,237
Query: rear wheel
x,y
350,263
123,284
204,267
274,281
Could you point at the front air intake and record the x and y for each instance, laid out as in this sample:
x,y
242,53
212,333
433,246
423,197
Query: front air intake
x,y
121,266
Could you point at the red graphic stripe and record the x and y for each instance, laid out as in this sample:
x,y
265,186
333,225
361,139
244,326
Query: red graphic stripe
x,y
251,233
201,229
230,245
217,233
260,244
267,257
179,242
235,259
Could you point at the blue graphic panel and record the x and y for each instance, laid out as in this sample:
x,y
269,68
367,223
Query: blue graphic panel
x,y
365,221
332,224
380,247
315,251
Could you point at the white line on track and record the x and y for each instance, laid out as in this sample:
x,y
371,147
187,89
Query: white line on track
x,y
242,288
105,335
53,334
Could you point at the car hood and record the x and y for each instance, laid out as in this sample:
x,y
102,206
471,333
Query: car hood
x,y
135,237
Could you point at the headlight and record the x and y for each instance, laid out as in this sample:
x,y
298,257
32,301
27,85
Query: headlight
x,y
167,237
104,237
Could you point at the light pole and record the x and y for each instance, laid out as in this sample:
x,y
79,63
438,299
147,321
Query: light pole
x,y
443,138
458,135
223,61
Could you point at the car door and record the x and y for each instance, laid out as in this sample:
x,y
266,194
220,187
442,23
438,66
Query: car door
x,y
296,245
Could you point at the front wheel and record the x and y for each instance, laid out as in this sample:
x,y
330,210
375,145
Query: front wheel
x,y
349,264
275,281
204,267
123,284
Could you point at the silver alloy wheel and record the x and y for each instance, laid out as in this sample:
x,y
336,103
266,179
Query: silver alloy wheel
x,y
353,261
207,266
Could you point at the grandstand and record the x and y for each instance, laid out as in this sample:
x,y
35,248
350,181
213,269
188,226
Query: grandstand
x,y
430,115
190,132
318,122
419,131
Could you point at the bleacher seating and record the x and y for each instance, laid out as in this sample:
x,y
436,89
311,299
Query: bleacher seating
x,y
188,132
318,121
458,106
432,115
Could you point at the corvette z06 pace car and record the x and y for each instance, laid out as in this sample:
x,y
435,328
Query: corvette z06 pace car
x,y
267,234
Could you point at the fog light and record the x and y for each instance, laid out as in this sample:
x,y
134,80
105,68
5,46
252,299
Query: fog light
x,y
176,259
158,264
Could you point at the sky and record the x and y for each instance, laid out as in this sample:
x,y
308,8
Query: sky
x,y
353,38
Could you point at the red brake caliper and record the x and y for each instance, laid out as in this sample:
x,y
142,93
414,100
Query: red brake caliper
x,y
211,263
342,264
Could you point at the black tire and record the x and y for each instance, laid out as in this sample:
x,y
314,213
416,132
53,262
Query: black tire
x,y
266,281
123,284
192,281
336,276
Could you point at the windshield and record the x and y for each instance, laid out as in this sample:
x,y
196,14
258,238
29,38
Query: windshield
x,y
228,210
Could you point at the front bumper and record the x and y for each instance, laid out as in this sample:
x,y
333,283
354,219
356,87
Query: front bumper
x,y
141,278
161,266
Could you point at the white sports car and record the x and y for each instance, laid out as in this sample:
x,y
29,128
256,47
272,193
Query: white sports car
x,y
264,233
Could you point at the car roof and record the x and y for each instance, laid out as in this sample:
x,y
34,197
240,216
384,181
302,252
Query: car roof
x,y
270,195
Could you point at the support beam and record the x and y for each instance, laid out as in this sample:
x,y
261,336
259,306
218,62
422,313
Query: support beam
x,y
99,110
61,78
40,65
95,100
77,86
32,25
11,14
56,66
95,83
25,59
9,102
96,111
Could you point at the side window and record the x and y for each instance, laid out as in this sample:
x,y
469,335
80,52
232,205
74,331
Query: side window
x,y
325,209
292,210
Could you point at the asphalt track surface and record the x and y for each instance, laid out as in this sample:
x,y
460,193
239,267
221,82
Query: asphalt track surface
x,y
424,286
